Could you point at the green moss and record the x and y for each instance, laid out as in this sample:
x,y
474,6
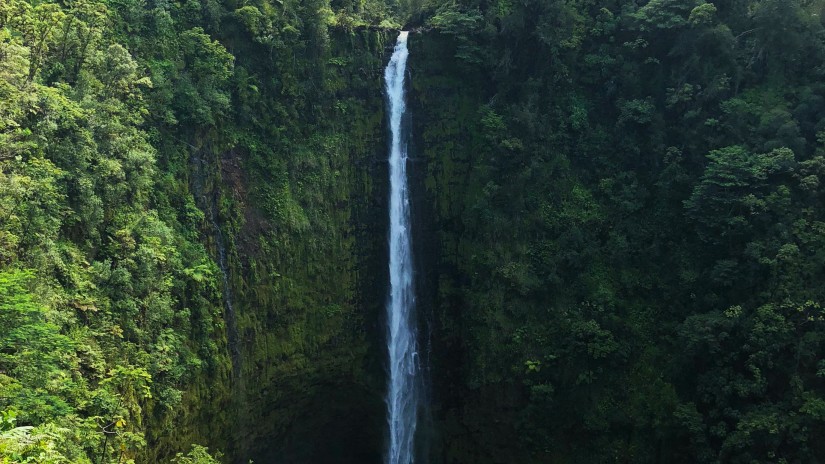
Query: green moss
x,y
304,244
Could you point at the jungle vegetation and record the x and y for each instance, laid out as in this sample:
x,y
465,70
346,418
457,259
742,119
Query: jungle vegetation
x,y
624,243
628,204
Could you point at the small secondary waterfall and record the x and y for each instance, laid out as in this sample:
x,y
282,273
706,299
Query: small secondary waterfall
x,y
402,389
200,169
231,324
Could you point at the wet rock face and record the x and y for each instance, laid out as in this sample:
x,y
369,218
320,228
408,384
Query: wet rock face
x,y
464,423
305,225
306,229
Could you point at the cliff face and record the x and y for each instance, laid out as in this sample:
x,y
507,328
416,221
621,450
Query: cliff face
x,y
617,213
609,197
466,420
307,258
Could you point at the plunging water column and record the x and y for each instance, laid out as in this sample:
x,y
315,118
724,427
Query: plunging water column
x,y
402,394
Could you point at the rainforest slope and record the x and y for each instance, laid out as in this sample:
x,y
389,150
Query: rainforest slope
x,y
618,207
626,204
189,242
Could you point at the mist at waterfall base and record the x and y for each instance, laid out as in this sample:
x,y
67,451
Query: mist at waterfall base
x,y
402,386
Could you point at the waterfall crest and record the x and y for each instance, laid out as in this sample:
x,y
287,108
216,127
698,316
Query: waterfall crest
x,y
402,389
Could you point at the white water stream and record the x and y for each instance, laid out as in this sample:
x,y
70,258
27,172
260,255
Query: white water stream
x,y
402,389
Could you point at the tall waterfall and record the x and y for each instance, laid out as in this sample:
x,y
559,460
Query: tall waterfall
x,y
402,388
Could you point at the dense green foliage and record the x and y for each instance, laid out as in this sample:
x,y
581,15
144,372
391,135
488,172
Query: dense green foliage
x,y
620,213
108,302
630,228
140,160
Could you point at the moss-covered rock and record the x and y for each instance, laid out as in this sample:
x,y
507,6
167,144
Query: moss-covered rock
x,y
304,205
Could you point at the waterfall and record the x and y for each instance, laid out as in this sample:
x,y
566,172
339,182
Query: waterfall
x,y
209,203
402,386
231,324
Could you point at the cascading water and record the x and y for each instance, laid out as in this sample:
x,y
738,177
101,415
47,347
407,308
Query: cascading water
x,y
402,388
200,168
231,325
